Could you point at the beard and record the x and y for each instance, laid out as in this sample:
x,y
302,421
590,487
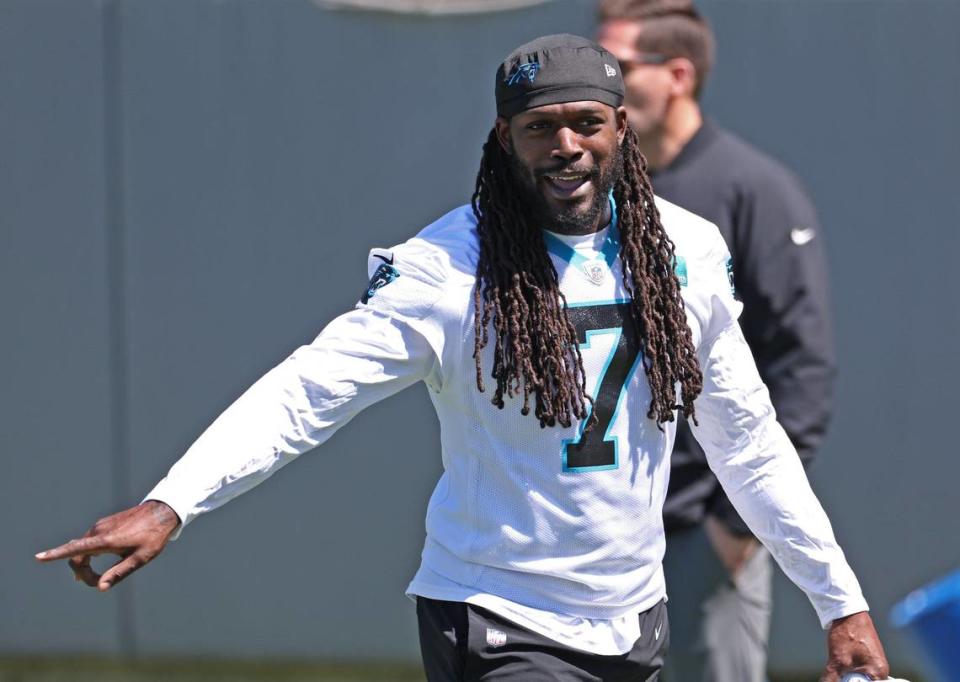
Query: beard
x,y
572,217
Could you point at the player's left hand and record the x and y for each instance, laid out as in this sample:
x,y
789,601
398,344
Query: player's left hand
x,y
853,646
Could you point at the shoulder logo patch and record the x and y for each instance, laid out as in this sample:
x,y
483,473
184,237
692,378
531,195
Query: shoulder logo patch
x,y
733,289
382,277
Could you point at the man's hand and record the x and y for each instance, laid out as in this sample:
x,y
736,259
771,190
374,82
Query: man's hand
x,y
853,647
733,550
137,535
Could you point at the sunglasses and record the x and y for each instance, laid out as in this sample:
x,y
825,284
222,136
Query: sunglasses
x,y
648,58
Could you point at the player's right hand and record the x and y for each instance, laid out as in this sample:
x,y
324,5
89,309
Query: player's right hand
x,y
137,535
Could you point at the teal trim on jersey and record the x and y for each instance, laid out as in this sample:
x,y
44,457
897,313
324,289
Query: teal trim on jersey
x,y
680,268
609,301
610,249
618,331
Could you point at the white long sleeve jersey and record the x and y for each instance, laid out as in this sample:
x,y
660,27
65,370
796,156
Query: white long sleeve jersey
x,y
557,529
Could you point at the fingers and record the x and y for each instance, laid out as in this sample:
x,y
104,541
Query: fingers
x,y
82,570
137,535
75,548
79,563
875,671
829,675
121,570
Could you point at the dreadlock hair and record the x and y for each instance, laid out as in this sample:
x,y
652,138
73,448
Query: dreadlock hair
x,y
536,353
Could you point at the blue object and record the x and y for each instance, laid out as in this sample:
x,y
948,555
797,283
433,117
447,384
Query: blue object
x,y
932,614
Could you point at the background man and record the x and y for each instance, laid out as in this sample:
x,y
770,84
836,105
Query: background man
x,y
721,616
562,284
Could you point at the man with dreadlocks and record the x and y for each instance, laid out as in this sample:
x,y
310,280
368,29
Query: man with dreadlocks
x,y
596,313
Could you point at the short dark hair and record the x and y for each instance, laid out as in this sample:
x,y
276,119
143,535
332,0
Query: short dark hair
x,y
673,28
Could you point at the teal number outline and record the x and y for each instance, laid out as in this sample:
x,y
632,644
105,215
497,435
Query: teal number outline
x,y
590,333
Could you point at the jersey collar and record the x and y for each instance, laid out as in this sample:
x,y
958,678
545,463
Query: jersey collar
x,y
610,249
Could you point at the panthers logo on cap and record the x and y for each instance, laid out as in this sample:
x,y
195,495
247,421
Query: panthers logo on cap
x,y
520,72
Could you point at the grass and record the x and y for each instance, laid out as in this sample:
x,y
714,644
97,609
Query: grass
x,y
82,669
92,669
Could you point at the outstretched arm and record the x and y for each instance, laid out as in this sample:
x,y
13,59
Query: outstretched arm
x,y
360,358
137,535
391,340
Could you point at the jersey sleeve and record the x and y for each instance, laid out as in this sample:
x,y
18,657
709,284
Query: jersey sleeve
x,y
408,284
716,303
782,279
382,346
760,471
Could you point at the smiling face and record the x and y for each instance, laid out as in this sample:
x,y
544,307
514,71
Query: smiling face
x,y
566,158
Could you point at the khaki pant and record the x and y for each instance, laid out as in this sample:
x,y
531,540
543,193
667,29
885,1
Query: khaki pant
x,y
719,627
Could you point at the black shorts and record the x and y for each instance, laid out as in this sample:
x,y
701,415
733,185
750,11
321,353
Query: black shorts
x,y
465,643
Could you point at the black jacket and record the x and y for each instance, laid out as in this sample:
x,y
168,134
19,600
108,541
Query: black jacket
x,y
780,274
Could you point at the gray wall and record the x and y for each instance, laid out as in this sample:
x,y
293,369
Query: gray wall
x,y
188,191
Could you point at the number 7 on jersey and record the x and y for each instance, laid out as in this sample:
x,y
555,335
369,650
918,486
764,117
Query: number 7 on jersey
x,y
594,449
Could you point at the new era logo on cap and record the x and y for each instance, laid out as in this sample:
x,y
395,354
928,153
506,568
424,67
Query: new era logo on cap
x,y
611,72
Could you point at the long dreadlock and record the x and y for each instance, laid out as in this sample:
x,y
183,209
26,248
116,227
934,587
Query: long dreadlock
x,y
536,353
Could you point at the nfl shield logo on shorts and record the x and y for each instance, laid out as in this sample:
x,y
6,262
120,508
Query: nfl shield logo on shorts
x,y
495,638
